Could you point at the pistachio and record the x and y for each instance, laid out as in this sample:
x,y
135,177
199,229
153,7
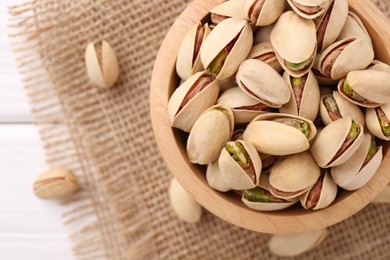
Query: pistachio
x,y
214,177
354,27
228,9
265,52
309,9
185,207
55,183
378,121
264,12
101,64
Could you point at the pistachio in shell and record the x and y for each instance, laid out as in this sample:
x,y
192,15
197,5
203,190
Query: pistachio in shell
x,y
294,42
366,88
263,12
354,27
321,78
361,167
334,106
309,9
265,52
228,9
294,245
330,23
214,177
321,194
263,34
345,56
379,66
260,198
337,142
211,131
293,175
188,59
378,121
243,106
261,82
191,99
240,165
227,45
305,96
280,134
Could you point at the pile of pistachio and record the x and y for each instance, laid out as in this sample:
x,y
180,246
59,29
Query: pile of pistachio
x,y
283,101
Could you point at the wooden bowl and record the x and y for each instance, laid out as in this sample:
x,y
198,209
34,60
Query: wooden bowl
x,y
228,206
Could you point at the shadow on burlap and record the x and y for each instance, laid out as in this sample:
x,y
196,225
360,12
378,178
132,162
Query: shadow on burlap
x,y
106,138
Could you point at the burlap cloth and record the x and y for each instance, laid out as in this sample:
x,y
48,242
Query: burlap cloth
x,y
106,137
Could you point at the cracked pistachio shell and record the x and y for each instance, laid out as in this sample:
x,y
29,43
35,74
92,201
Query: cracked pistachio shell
x,y
373,123
265,52
370,84
346,108
233,174
293,175
260,81
186,66
354,27
330,23
219,38
351,175
309,98
356,55
321,78
294,245
263,12
211,131
185,207
267,206
294,41
325,193
379,66
276,138
55,183
214,177
240,104
309,9
185,117
329,141
263,34
101,64
230,9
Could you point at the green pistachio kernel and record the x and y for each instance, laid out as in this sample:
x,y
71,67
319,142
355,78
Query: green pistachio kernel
x,y
297,81
298,66
257,194
371,151
347,88
354,131
238,153
216,65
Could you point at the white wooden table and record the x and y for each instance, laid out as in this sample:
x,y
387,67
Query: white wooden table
x,y
29,227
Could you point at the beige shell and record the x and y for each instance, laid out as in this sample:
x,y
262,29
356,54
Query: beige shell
x,y
55,183
265,52
370,84
214,177
276,138
357,55
321,78
293,175
232,173
294,40
379,66
185,65
322,4
310,98
354,27
351,175
338,10
263,34
260,81
232,8
185,207
210,133
294,245
373,123
220,37
267,206
327,194
186,117
346,108
329,141
235,98
269,13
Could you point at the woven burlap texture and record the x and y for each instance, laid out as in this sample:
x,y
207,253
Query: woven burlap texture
x,y
106,137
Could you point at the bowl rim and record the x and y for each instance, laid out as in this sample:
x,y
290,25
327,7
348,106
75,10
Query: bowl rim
x,y
278,222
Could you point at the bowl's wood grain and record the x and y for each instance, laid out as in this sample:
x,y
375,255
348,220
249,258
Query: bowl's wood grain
x,y
172,142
